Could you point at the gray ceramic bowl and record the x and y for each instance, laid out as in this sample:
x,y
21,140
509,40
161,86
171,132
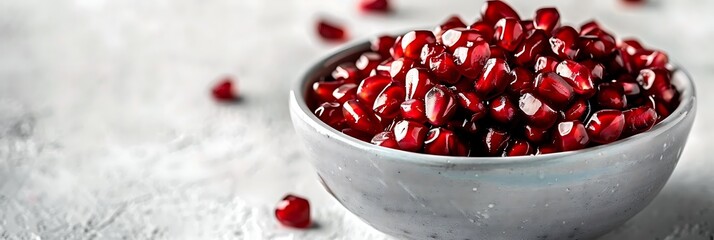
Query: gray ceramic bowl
x,y
573,195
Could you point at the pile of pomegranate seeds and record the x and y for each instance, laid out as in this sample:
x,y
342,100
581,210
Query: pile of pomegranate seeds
x,y
225,90
293,211
502,86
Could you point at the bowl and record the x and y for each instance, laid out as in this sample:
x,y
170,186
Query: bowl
x,y
569,195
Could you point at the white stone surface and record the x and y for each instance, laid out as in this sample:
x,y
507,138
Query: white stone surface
x,y
107,130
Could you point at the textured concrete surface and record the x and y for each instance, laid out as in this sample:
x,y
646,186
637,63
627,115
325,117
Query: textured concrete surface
x,y
107,130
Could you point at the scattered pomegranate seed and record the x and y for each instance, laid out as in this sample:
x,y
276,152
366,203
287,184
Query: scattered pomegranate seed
x,y
605,126
293,211
224,90
374,5
331,31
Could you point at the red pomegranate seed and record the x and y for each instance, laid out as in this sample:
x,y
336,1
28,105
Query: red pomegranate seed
x,y
470,101
536,135
620,62
440,105
598,46
519,147
605,126
417,83
570,135
452,22
493,11
532,46
385,139
639,119
441,141
345,92
546,19
545,64
396,51
522,81
363,136
374,5
360,117
484,28
537,113
611,95
224,90
293,211
412,43
470,60
577,110
553,88
347,72
495,141
589,27
597,70
331,113
498,52
649,59
382,44
368,62
502,110
431,50
630,46
399,68
494,79
371,87
386,105
323,90
630,88
545,149
460,37
443,66
465,125
331,31
413,109
410,135
508,33
656,82
564,42
578,76
528,25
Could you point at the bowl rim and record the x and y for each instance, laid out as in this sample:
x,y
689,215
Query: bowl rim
x,y
681,79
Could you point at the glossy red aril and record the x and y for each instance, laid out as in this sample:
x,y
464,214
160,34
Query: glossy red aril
x,y
460,37
367,62
570,135
444,68
399,68
598,46
495,141
464,125
471,60
502,110
484,28
577,110
347,72
545,64
385,139
531,47
493,11
554,89
323,90
417,83
396,51
471,102
589,27
413,109
518,147
331,31
360,117
224,90
499,52
631,46
508,33
611,95
564,42
657,82
639,119
371,87
382,44
537,113
649,59
545,149
578,76
412,43
597,70
363,136
494,79
386,105
442,141
374,5
345,92
330,113
439,105
452,22
410,135
605,126
431,50
536,135
522,81
293,211
546,19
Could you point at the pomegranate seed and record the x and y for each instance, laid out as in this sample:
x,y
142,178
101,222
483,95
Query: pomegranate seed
x,y
564,42
331,113
536,135
630,88
499,52
493,11
470,60
537,113
347,72
410,135
631,46
431,50
413,109
443,66
656,82
597,70
530,48
605,126
345,92
399,68
578,110
470,101
484,28
519,147
382,44
363,136
331,31
620,62
494,79
414,41
553,88
545,64
374,5
502,110
441,141
545,149
597,46
460,37
385,139
396,51
570,135
323,90
440,105
224,90
522,81
371,87
639,119
546,19
508,33
418,82
386,105
611,95
578,76
452,22
368,62
466,125
589,27
495,141
528,25
649,59
293,211
360,117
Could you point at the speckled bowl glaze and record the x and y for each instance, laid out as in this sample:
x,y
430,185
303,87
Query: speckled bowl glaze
x,y
572,195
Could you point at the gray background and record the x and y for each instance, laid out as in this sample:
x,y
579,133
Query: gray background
x,y
108,131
